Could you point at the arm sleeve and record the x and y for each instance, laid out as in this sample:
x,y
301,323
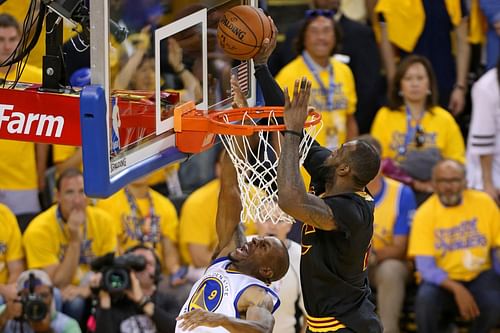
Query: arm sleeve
x,y
407,206
273,95
427,267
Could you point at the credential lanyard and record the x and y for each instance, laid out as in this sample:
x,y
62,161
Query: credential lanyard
x,y
329,93
151,233
410,132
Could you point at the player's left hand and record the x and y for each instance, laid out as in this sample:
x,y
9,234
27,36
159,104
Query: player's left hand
x,y
296,111
198,317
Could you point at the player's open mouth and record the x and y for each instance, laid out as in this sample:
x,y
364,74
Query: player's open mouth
x,y
243,249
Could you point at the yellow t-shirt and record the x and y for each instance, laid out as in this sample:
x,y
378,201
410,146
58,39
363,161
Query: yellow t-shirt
x,y
45,242
18,173
198,219
10,242
459,238
394,209
61,153
131,231
405,20
441,132
31,74
334,129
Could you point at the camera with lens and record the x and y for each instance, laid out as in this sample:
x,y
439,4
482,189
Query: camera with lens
x,y
34,308
116,271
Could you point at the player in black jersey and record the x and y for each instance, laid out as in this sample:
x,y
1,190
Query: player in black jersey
x,y
338,226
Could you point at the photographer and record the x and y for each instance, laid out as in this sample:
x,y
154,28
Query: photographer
x,y
34,309
131,303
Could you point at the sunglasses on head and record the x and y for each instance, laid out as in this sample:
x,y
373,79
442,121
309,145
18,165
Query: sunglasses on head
x,y
419,136
311,13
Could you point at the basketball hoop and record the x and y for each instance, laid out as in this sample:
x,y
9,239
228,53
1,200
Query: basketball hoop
x,y
255,162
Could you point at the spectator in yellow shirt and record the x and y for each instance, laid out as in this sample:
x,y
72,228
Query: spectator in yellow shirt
x,y
65,238
413,130
333,90
22,178
455,240
11,254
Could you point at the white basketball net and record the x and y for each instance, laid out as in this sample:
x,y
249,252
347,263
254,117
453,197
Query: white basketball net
x,y
256,169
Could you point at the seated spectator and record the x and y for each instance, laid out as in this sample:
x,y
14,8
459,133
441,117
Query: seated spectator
x,y
483,151
11,254
21,316
455,240
143,216
63,239
388,269
143,308
413,130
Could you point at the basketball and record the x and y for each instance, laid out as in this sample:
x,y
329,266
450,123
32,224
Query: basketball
x,y
242,30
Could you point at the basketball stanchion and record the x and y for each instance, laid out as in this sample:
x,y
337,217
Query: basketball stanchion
x,y
256,164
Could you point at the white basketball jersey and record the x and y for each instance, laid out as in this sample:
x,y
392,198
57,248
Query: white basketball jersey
x,y
219,290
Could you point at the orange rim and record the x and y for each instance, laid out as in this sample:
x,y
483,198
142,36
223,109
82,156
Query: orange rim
x,y
222,121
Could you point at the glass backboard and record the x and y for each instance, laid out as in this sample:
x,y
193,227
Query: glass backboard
x,y
147,56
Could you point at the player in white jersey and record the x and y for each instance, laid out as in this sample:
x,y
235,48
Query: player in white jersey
x,y
233,294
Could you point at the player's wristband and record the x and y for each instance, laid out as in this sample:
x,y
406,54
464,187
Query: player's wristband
x,y
292,133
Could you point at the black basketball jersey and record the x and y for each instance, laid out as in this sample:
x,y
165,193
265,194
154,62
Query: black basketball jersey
x,y
334,264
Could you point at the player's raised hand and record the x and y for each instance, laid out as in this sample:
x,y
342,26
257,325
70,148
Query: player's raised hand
x,y
198,317
296,110
268,46
239,100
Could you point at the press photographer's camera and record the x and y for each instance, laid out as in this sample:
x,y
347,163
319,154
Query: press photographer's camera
x,y
34,308
116,271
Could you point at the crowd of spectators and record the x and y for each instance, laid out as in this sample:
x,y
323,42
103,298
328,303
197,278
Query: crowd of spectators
x,y
394,73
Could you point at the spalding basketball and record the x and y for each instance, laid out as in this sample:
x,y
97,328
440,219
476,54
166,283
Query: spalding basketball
x,y
242,30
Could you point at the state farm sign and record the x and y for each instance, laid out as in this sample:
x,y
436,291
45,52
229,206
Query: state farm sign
x,y
20,123
30,115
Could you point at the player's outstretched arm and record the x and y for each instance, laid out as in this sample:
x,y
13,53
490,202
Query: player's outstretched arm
x,y
255,302
229,231
292,196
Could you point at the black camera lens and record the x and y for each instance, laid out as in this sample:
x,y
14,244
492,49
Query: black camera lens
x,y
116,280
35,309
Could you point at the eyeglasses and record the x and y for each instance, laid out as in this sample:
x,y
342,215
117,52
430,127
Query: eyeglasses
x,y
311,13
419,136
